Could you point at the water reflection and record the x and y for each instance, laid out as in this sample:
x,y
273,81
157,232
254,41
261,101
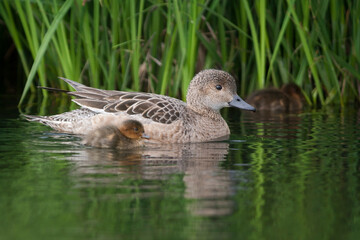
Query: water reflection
x,y
278,177
273,125
205,181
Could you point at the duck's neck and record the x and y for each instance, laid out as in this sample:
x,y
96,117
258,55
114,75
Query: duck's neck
x,y
208,126
207,112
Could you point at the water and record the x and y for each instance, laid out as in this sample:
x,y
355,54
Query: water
x,y
278,177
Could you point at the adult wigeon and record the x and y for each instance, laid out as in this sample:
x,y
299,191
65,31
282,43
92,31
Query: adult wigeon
x,y
164,118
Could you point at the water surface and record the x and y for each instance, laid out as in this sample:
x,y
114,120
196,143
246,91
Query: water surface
x,y
292,176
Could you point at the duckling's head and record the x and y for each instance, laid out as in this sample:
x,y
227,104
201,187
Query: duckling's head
x,y
132,129
214,89
292,89
295,95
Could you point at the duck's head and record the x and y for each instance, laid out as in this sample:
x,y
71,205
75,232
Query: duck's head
x,y
214,89
132,129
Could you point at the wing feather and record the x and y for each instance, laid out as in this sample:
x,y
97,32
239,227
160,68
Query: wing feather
x,y
125,105
86,95
90,103
158,108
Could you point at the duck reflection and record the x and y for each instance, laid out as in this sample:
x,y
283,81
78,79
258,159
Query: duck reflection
x,y
273,125
205,181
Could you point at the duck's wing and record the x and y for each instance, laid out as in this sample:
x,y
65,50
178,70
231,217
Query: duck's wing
x,y
158,108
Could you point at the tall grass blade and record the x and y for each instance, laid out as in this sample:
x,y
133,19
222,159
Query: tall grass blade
x,y
279,40
158,46
255,41
42,49
307,51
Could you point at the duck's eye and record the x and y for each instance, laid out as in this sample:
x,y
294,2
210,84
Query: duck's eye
x,y
218,87
136,129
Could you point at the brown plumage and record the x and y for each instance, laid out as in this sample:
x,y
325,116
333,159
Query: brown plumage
x,y
287,99
128,134
164,118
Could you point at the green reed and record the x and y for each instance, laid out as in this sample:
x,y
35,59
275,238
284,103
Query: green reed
x,y
158,46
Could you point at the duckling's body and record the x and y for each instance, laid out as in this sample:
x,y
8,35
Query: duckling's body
x,y
128,134
164,118
287,99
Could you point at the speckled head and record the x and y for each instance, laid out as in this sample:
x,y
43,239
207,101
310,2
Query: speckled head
x,y
214,89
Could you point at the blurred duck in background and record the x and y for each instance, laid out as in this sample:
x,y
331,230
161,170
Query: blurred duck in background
x,y
287,99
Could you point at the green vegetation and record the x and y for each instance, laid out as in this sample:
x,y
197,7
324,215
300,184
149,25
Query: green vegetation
x,y
158,46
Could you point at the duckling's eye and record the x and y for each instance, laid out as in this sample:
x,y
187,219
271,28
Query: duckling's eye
x,y
136,129
218,87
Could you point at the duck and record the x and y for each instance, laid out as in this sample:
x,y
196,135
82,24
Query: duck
x,y
287,99
128,134
165,119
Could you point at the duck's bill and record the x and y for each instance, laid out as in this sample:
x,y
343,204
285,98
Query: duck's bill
x,y
239,103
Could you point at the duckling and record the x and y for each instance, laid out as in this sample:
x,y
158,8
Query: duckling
x,y
287,99
129,134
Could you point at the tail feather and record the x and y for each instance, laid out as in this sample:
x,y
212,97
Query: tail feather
x,y
32,118
64,122
77,86
49,121
41,119
82,90
53,89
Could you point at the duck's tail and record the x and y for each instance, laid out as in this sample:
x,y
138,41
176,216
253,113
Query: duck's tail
x,y
56,124
81,91
41,119
77,86
64,122
30,118
53,89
